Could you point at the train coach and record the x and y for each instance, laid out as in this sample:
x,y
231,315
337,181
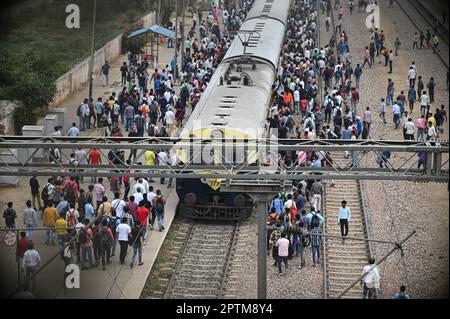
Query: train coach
x,y
234,106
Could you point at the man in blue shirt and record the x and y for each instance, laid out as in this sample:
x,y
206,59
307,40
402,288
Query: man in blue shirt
x,y
402,294
343,218
74,131
277,203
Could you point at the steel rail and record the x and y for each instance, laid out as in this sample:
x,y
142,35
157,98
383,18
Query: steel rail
x,y
419,29
178,262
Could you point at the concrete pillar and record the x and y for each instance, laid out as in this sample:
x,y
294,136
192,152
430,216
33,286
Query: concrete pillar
x,y
50,122
61,113
7,157
34,130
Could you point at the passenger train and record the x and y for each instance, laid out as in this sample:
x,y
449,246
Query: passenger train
x,y
235,106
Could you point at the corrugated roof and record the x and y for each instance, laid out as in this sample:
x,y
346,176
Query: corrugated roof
x,y
154,29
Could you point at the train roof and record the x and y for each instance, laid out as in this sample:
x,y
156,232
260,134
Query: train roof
x,y
234,109
265,43
270,9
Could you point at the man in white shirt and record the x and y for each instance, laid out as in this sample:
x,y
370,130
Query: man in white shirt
x,y
142,184
283,252
118,204
409,127
424,100
162,161
396,111
123,232
296,100
78,227
138,196
371,281
31,263
412,76
169,117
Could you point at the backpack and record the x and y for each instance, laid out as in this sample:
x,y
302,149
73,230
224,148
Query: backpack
x,y
104,236
401,295
10,216
163,132
65,209
79,110
72,220
44,194
151,130
159,206
54,156
315,221
112,224
153,112
83,237
70,193
306,240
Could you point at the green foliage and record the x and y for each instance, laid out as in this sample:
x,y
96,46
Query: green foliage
x,y
134,45
24,116
37,47
27,77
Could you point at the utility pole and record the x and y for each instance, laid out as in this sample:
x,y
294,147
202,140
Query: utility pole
x,y
175,69
158,20
183,31
91,64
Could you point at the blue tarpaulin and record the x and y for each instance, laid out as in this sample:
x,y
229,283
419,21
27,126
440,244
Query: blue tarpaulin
x,y
154,29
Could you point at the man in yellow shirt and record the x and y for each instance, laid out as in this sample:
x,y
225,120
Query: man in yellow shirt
x,y
61,230
150,160
50,217
105,207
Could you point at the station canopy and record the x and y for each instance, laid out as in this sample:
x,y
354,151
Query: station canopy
x,y
154,29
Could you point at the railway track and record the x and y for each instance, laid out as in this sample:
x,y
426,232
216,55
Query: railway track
x,y
424,21
204,261
344,261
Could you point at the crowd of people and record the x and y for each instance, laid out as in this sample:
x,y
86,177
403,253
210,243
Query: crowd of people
x,y
294,218
149,104
86,224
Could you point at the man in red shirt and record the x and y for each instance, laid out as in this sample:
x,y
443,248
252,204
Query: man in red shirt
x,y
126,182
303,106
355,99
73,197
142,213
94,159
22,248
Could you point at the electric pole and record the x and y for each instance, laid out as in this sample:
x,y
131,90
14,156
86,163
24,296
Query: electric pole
x,y
183,32
158,20
91,64
175,69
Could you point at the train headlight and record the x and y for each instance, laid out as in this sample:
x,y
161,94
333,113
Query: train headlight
x,y
190,198
239,201
217,134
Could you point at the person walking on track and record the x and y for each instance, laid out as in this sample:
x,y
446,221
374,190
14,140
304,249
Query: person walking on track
x,y
343,218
